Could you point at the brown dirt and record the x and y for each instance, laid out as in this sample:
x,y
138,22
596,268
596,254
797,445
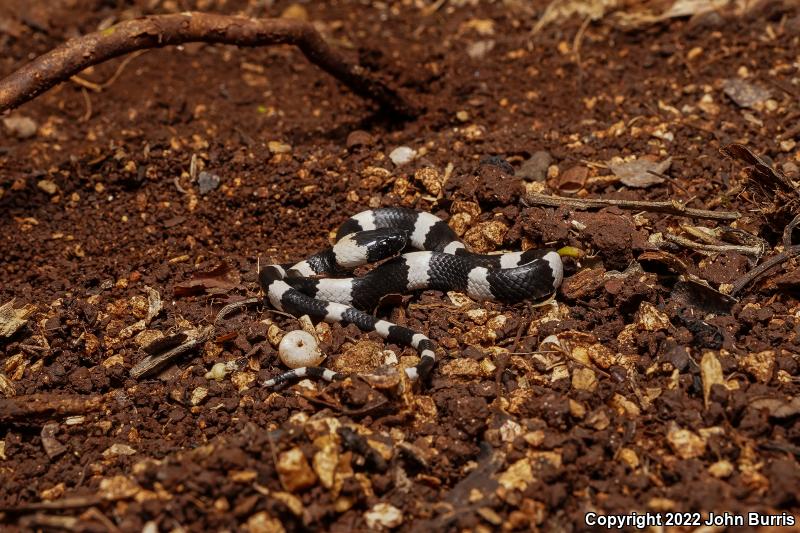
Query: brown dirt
x,y
650,403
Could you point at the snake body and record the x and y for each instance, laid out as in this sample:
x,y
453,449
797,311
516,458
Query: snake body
x,y
443,263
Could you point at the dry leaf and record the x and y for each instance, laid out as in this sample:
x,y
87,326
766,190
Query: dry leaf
x,y
744,93
778,408
220,280
12,319
711,372
637,173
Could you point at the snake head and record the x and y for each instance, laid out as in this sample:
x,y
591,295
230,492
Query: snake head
x,y
369,246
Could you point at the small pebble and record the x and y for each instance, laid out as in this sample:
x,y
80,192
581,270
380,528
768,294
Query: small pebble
x,y
402,155
791,170
295,11
21,127
479,49
207,182
499,162
277,147
47,186
535,168
383,515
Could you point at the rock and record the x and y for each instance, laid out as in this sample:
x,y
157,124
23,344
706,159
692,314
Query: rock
x,y
383,516
262,522
208,182
760,365
678,357
402,155
791,170
629,457
20,126
479,49
685,443
499,162
48,186
518,476
584,379
294,471
359,138
721,469
649,318
295,11
277,147
535,168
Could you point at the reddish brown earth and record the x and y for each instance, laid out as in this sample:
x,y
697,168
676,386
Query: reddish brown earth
x,y
654,400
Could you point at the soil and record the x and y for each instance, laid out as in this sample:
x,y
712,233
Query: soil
x,y
657,394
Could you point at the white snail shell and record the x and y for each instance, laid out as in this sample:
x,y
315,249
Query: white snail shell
x,y
299,348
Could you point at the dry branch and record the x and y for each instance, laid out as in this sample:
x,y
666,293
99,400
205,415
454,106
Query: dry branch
x,y
23,408
671,208
755,251
158,31
790,250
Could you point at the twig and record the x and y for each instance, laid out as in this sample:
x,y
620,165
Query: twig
x,y
763,268
789,251
74,502
88,101
672,208
121,68
576,42
702,247
228,309
158,31
86,84
788,230
37,405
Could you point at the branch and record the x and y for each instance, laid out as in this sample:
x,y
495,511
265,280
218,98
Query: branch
x,y
763,268
671,208
756,251
790,250
158,31
24,408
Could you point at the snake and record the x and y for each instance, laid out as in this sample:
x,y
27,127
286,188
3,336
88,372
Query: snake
x,y
423,253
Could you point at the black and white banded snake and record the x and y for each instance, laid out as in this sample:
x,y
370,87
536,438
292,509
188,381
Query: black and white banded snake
x,y
444,264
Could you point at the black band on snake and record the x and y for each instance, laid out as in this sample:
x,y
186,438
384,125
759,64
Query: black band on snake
x,y
445,264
